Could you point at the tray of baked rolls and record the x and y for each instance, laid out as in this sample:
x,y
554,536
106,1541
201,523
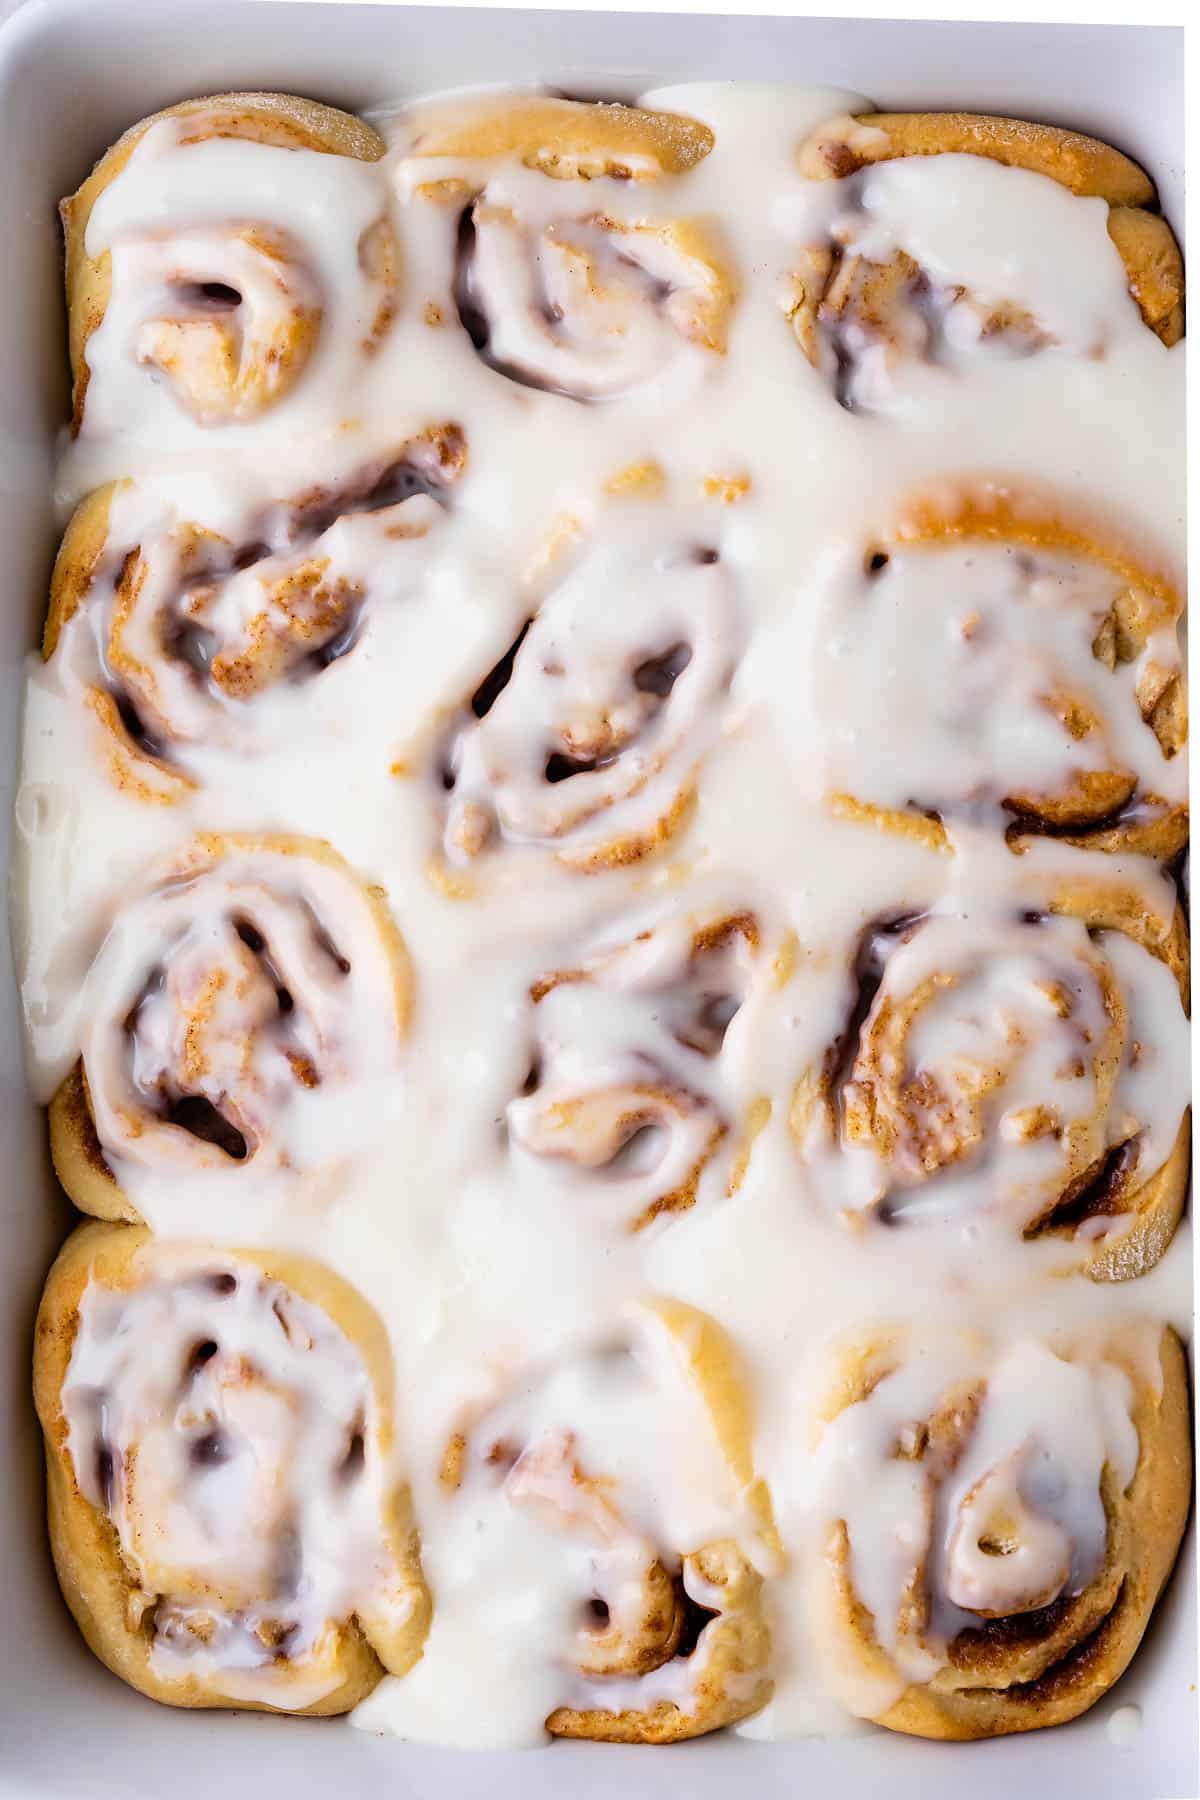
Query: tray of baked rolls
x,y
600,915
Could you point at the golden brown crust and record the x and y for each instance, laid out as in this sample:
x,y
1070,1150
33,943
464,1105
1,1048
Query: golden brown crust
x,y
1154,267
1156,1203
1113,905
95,1581
1000,514
715,1369
623,852
131,768
1081,164
78,1156
83,544
917,828
571,140
281,120
77,1152
593,258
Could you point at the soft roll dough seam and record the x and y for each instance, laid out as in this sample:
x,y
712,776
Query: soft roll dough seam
x,y
1033,1563
111,1531
204,351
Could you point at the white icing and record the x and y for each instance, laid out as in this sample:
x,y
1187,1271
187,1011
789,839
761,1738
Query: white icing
x,y
578,1479
1017,1522
906,207
1125,1726
570,297
1017,1069
254,993
980,286
228,1429
622,678
159,221
487,1256
628,1098
968,653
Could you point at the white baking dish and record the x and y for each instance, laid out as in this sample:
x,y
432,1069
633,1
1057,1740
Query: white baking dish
x,y
72,74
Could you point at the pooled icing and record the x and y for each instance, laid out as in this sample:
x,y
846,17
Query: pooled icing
x,y
424,753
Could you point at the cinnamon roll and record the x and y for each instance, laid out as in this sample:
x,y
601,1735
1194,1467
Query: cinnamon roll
x,y
1028,661
995,1524
181,271
459,519
1013,1072
587,736
567,263
229,1005
878,290
650,1575
627,1103
225,1513
182,635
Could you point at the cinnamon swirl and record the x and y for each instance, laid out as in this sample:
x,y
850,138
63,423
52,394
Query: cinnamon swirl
x,y
879,292
658,1607
249,982
564,257
1029,662
1015,1072
225,1513
457,518
184,636
625,1103
178,270
587,736
995,1523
